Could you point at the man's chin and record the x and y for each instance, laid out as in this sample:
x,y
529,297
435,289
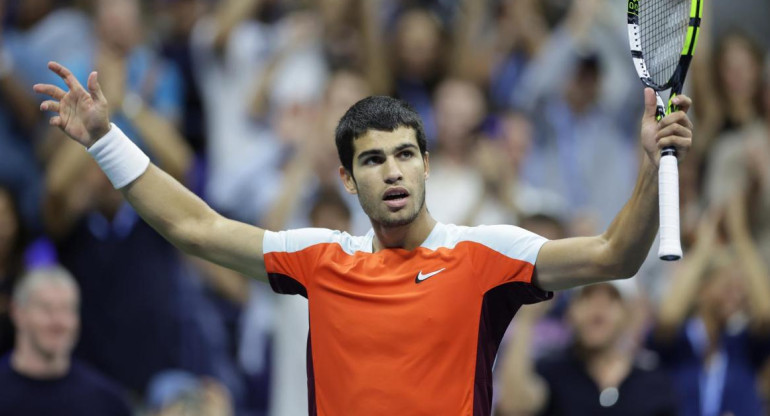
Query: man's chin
x,y
398,219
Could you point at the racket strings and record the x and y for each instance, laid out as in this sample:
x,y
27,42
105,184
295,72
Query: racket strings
x,y
663,27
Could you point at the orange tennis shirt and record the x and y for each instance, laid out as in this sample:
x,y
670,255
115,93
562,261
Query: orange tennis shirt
x,y
401,332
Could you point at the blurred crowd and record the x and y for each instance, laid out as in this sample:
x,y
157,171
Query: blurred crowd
x,y
531,110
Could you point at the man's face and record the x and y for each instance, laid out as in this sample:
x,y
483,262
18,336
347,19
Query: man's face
x,y
598,317
48,321
389,176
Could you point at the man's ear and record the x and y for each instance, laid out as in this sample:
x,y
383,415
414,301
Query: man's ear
x,y
426,162
348,181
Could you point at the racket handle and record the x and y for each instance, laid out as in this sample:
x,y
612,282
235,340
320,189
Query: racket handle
x,y
668,189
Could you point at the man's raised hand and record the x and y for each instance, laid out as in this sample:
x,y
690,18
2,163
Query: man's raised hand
x,y
81,114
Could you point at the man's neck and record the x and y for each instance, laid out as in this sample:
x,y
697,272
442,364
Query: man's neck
x,y
407,237
35,365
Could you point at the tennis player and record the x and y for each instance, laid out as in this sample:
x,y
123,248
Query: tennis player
x,y
407,319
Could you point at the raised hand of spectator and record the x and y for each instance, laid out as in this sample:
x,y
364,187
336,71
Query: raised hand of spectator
x,y
81,114
111,65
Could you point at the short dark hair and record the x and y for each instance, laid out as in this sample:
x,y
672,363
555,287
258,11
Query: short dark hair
x,y
375,113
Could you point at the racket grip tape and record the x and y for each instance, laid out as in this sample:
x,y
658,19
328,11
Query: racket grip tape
x,y
668,188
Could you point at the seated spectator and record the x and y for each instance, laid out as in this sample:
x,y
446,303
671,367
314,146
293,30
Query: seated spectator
x,y
40,377
596,375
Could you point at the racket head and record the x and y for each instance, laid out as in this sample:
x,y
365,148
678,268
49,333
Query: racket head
x,y
662,35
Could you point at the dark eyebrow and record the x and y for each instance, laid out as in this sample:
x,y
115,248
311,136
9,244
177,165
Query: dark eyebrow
x,y
405,146
374,152
380,152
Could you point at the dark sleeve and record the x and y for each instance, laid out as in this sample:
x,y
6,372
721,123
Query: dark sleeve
x,y
670,351
759,348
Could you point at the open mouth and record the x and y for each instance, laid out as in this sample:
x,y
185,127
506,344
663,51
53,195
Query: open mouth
x,y
396,197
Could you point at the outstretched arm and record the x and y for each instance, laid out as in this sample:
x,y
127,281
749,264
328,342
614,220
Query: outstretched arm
x,y
175,212
620,251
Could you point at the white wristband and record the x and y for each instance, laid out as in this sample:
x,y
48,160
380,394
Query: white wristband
x,y
120,159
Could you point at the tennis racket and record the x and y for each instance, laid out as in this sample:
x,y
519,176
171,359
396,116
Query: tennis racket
x,y
662,35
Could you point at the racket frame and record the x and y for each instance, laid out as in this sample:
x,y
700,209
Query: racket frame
x,y
670,244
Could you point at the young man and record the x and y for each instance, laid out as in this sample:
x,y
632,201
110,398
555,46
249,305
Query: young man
x,y
407,319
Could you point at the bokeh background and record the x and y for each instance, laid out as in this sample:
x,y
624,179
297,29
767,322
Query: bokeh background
x,y
531,110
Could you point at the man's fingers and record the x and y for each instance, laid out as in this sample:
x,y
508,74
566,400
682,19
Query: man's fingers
x,y
673,130
650,103
682,102
65,74
678,117
51,90
50,105
55,121
94,88
680,143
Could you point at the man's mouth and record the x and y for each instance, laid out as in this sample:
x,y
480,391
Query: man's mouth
x,y
396,198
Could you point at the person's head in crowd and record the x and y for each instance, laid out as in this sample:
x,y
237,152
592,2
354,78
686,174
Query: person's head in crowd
x,y
545,225
179,393
738,66
29,12
582,90
330,210
418,45
344,88
516,131
460,108
12,236
598,315
119,23
722,292
45,312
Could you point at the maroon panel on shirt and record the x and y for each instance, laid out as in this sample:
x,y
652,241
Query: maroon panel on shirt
x,y
497,310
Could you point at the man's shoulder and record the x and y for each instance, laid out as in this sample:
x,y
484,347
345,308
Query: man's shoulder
x,y
509,240
300,239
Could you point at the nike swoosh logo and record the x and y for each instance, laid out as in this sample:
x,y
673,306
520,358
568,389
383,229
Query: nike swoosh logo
x,y
421,277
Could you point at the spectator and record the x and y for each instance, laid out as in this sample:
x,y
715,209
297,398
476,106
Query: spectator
x,y
581,94
712,328
455,184
727,83
598,374
29,35
40,377
233,53
740,162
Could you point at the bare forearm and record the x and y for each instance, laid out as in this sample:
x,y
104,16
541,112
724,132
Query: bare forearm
x,y
19,102
191,225
679,298
229,14
631,234
618,253
523,391
754,268
169,207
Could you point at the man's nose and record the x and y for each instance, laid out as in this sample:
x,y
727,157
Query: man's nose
x,y
392,171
